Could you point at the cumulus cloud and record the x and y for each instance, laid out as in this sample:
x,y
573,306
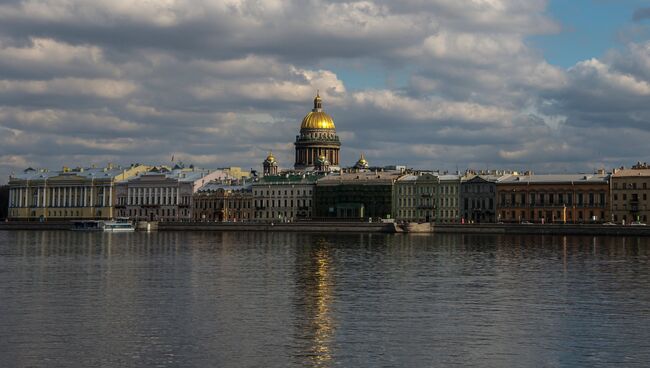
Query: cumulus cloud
x,y
221,82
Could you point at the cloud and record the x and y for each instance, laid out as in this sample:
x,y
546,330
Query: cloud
x,y
222,82
641,14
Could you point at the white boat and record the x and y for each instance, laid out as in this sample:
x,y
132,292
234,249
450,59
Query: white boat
x,y
119,225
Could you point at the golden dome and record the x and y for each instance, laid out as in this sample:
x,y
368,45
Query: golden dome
x,y
317,118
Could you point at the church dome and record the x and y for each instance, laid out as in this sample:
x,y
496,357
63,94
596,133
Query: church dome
x,y
270,159
317,118
362,163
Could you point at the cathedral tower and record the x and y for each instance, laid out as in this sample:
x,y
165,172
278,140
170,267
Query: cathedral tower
x,y
317,142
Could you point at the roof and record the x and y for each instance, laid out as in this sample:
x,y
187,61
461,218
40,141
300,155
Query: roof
x,y
366,177
181,175
408,178
489,178
631,173
289,179
555,179
213,186
449,177
86,173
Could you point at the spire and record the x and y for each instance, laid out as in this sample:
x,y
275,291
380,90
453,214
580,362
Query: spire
x,y
318,102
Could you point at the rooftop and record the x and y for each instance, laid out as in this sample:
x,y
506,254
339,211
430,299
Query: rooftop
x,y
81,172
631,173
555,179
366,177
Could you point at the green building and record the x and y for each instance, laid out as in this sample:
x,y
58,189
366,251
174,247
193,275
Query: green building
x,y
355,195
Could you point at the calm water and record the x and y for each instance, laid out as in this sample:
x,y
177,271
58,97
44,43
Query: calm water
x,y
298,300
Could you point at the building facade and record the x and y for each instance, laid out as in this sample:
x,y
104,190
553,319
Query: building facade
x,y
223,202
162,194
478,194
629,194
575,198
355,195
415,197
284,197
448,209
317,145
79,193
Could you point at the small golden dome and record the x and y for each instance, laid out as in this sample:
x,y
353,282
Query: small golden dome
x,y
317,118
270,157
362,163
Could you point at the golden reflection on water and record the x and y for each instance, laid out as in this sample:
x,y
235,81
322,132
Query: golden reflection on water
x,y
322,319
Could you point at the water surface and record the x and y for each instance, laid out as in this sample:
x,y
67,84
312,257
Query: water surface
x,y
209,299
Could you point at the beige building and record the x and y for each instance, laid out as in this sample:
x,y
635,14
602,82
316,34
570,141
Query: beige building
x,y
223,202
415,197
629,194
79,193
553,198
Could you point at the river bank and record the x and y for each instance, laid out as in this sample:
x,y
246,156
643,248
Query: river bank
x,y
363,227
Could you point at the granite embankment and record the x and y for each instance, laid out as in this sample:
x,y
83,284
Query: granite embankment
x,y
364,227
307,226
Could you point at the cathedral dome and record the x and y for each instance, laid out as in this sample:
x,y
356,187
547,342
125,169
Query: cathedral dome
x,y
317,118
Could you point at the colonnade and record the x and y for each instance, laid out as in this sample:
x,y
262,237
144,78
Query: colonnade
x,y
61,196
309,155
153,196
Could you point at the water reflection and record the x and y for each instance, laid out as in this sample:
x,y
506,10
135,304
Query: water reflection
x,y
314,284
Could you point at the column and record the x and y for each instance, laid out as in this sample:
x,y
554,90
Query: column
x,y
128,196
103,196
110,196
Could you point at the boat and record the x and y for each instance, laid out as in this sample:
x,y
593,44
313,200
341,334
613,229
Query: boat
x,y
120,224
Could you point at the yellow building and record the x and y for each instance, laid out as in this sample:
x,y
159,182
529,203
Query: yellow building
x,y
629,194
79,193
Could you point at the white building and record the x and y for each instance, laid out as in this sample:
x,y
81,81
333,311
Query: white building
x,y
284,197
162,194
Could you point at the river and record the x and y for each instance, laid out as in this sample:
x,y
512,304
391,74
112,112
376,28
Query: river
x,y
253,299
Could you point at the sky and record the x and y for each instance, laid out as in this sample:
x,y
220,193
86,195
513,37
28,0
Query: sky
x,y
549,86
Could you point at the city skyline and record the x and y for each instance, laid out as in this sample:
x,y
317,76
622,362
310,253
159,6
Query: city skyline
x,y
508,84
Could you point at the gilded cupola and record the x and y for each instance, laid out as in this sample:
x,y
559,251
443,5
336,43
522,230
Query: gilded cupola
x,y
362,163
317,118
